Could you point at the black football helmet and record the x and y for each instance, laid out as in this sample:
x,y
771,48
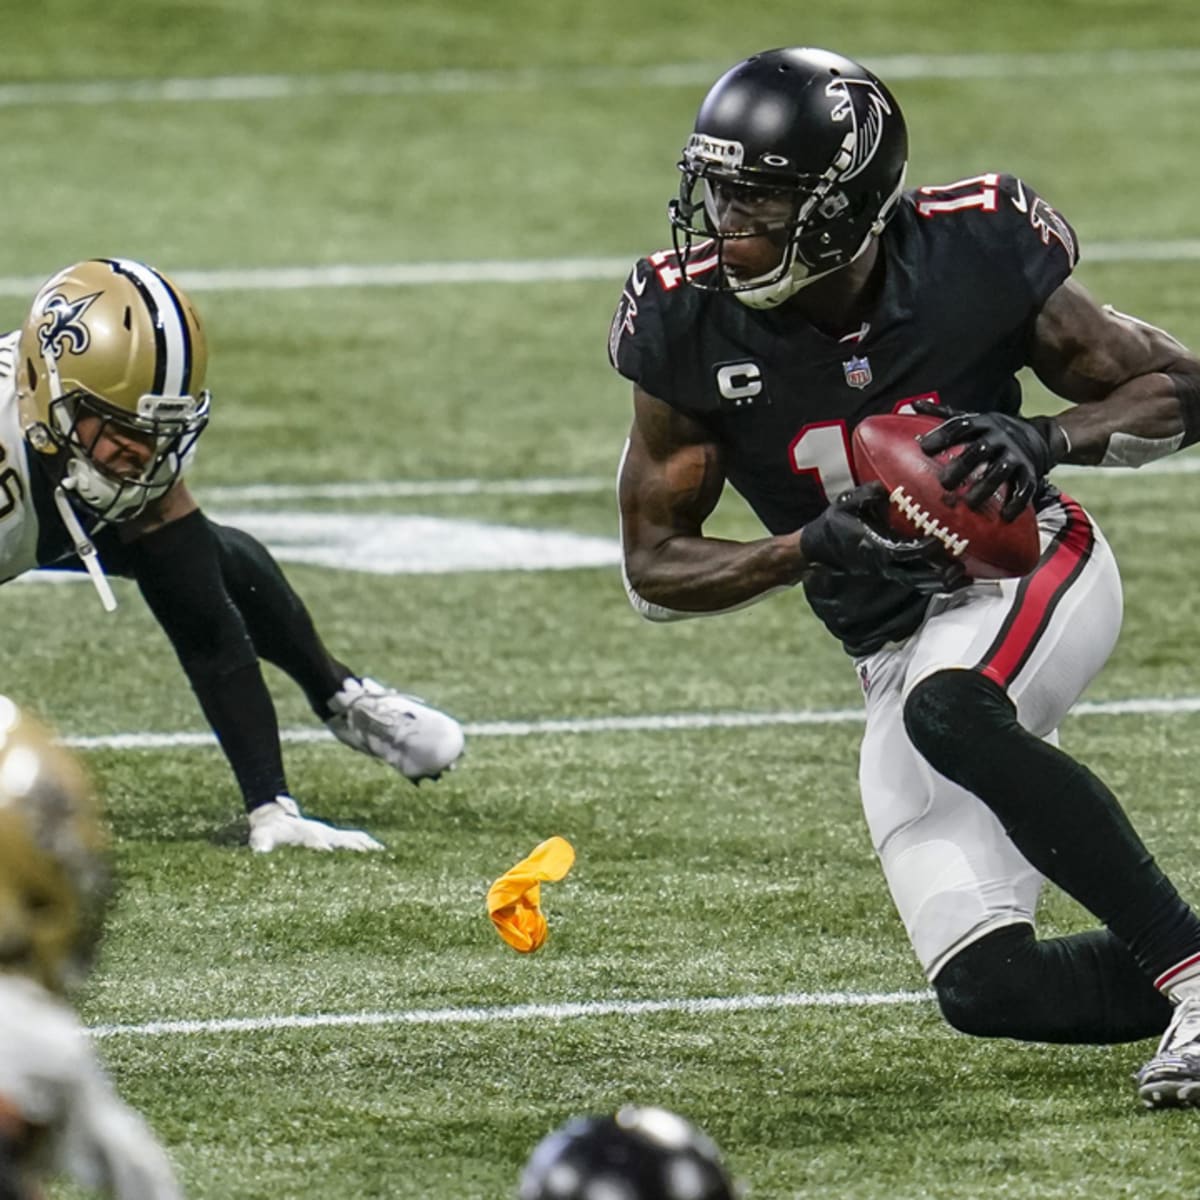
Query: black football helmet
x,y
638,1154
812,146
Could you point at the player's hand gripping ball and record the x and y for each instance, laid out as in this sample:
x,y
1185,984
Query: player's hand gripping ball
x,y
885,448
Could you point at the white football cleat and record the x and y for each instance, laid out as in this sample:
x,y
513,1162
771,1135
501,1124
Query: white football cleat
x,y
419,741
280,823
1171,1079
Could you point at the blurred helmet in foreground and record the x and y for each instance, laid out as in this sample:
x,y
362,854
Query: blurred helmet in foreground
x,y
637,1154
54,862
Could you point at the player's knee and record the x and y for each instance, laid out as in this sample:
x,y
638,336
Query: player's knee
x,y
965,1001
979,990
947,711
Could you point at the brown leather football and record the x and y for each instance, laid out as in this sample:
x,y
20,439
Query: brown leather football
x,y
885,448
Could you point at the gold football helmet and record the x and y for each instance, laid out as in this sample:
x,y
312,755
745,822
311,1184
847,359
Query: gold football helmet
x,y
116,340
54,861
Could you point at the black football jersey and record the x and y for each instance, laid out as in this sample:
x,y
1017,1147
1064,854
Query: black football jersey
x,y
968,267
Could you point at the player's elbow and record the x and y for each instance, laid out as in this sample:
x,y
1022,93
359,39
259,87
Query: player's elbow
x,y
638,602
639,591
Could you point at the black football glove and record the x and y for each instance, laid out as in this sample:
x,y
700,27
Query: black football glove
x,y
1017,451
848,537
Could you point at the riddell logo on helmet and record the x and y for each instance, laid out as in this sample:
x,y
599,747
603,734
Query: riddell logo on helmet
x,y
722,151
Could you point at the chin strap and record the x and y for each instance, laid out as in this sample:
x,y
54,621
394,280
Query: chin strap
x,y
771,295
84,548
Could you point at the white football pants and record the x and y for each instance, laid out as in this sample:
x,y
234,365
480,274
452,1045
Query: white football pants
x,y
953,873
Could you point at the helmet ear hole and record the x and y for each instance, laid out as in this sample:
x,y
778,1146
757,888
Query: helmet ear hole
x,y
128,317
30,374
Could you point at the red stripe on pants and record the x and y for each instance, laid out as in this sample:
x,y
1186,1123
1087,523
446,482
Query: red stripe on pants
x,y
1039,594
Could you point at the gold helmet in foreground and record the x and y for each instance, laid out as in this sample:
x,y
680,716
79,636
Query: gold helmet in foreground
x,y
116,340
54,862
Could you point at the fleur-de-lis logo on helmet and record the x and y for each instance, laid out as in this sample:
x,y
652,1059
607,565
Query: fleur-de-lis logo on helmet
x,y
62,330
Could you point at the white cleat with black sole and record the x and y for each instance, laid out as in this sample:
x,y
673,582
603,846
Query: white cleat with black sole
x,y
1171,1079
406,733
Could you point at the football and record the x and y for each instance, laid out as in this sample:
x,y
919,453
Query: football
x,y
885,448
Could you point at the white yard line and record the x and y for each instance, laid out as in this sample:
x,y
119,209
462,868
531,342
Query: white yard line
x,y
468,80
517,1012
513,271
399,489
418,274
584,485
648,723
370,275
581,1009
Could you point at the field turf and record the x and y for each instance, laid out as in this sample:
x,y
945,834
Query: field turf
x,y
298,1026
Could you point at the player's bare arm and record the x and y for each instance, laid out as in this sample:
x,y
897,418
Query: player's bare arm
x,y
1125,376
671,478
1136,391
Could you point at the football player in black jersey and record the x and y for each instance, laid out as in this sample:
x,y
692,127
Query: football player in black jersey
x,y
102,399
808,289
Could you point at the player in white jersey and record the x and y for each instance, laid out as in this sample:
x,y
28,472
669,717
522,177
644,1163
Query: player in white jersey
x,y
102,399
59,1111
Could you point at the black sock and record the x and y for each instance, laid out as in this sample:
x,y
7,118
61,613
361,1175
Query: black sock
x,y
1058,814
1083,988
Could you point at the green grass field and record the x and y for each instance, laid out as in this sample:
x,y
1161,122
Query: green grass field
x,y
717,863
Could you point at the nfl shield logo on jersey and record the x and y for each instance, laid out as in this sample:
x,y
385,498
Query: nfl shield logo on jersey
x,y
858,372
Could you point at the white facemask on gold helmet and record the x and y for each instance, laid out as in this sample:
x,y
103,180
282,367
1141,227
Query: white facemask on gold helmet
x,y
54,865
115,340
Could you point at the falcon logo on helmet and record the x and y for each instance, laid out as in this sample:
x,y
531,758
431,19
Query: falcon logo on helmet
x,y
865,105
63,331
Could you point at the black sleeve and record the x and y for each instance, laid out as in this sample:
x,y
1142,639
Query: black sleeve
x,y
279,624
637,342
178,570
1026,237
1050,247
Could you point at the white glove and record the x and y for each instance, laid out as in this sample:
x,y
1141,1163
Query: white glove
x,y
279,823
